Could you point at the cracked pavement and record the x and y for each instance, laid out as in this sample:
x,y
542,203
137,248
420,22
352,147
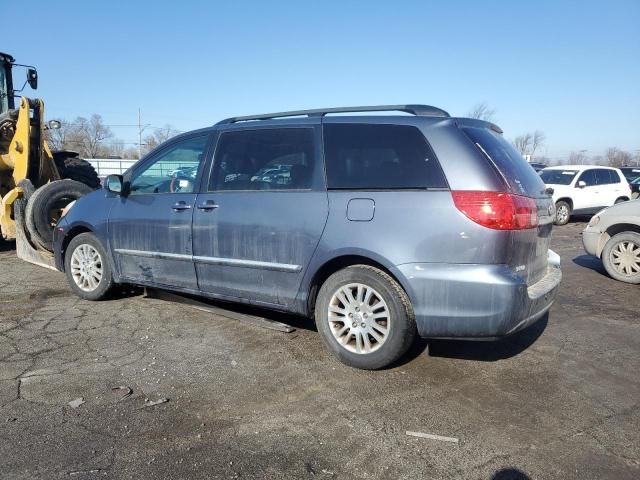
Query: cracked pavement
x,y
559,400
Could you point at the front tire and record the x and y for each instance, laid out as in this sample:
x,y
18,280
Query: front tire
x,y
563,213
621,257
364,317
87,268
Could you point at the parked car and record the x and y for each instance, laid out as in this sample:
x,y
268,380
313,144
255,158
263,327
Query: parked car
x,y
388,227
537,166
630,173
635,188
613,235
584,189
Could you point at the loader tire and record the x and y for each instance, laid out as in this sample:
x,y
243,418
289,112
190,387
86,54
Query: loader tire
x,y
78,169
44,207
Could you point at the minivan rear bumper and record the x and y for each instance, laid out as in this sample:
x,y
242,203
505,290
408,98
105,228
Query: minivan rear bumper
x,y
476,301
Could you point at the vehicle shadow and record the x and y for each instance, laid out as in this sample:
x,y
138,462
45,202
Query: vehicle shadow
x,y
295,321
510,474
489,351
6,246
590,262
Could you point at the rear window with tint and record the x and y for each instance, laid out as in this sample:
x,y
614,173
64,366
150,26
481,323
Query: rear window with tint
x,y
558,177
379,157
521,178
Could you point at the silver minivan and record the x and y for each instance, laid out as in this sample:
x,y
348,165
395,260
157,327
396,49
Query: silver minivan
x,y
381,227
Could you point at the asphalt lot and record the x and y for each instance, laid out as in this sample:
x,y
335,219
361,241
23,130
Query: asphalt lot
x,y
559,400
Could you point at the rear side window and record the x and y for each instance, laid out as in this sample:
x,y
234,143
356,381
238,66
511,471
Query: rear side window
x,y
589,177
379,157
264,159
604,176
614,177
520,177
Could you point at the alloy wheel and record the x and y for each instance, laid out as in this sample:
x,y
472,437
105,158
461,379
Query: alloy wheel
x,y
86,267
359,318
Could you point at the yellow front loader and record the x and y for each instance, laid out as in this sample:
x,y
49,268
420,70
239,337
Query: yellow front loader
x,y
35,183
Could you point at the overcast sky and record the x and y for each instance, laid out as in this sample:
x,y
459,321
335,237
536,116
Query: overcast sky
x,y
570,69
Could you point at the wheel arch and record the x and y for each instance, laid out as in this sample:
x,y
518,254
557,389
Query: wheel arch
x,y
70,235
613,230
343,260
566,199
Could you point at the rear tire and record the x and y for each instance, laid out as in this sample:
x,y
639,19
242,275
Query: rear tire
x,y
42,212
78,169
621,199
87,269
620,259
563,213
364,317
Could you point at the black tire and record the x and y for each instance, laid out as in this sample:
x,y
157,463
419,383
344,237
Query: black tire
x,y
561,207
78,169
42,213
621,199
106,283
608,256
401,321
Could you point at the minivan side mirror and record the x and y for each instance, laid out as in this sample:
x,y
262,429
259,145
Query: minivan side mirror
x,y
581,184
114,184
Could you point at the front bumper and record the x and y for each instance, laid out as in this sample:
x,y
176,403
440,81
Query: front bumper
x,y
59,233
477,301
591,240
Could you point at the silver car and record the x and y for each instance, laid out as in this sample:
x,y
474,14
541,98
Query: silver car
x,y
613,235
384,228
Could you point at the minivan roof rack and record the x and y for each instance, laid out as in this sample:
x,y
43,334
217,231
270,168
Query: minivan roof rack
x,y
418,110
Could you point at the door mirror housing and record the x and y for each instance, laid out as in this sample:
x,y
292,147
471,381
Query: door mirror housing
x,y
581,184
32,78
114,184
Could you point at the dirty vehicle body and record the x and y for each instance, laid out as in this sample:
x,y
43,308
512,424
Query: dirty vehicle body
x,y
384,227
613,235
35,183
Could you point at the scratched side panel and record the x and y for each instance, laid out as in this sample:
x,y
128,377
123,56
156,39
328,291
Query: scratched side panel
x,y
147,223
271,227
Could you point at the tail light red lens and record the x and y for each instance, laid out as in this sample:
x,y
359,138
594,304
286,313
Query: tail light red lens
x,y
497,210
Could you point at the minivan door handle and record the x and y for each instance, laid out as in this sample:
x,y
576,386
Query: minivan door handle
x,y
208,205
181,205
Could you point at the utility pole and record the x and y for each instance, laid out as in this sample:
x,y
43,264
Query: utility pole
x,y
139,136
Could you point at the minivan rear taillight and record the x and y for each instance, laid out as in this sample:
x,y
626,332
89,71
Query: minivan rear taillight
x,y
497,210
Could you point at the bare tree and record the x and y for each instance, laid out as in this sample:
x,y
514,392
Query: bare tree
x,y
160,135
617,158
93,133
577,158
482,111
130,153
523,143
537,141
58,138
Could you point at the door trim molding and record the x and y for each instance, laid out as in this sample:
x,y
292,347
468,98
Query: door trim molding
x,y
229,262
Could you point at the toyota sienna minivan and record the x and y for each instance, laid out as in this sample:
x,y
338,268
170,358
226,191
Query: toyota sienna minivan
x,y
381,227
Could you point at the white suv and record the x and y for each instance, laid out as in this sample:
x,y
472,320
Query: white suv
x,y
584,189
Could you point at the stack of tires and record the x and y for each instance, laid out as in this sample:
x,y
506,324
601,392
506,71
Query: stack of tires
x,y
45,204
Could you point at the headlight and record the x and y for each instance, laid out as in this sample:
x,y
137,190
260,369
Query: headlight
x,y
594,221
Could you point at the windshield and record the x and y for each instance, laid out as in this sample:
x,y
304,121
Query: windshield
x,y
4,95
557,177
